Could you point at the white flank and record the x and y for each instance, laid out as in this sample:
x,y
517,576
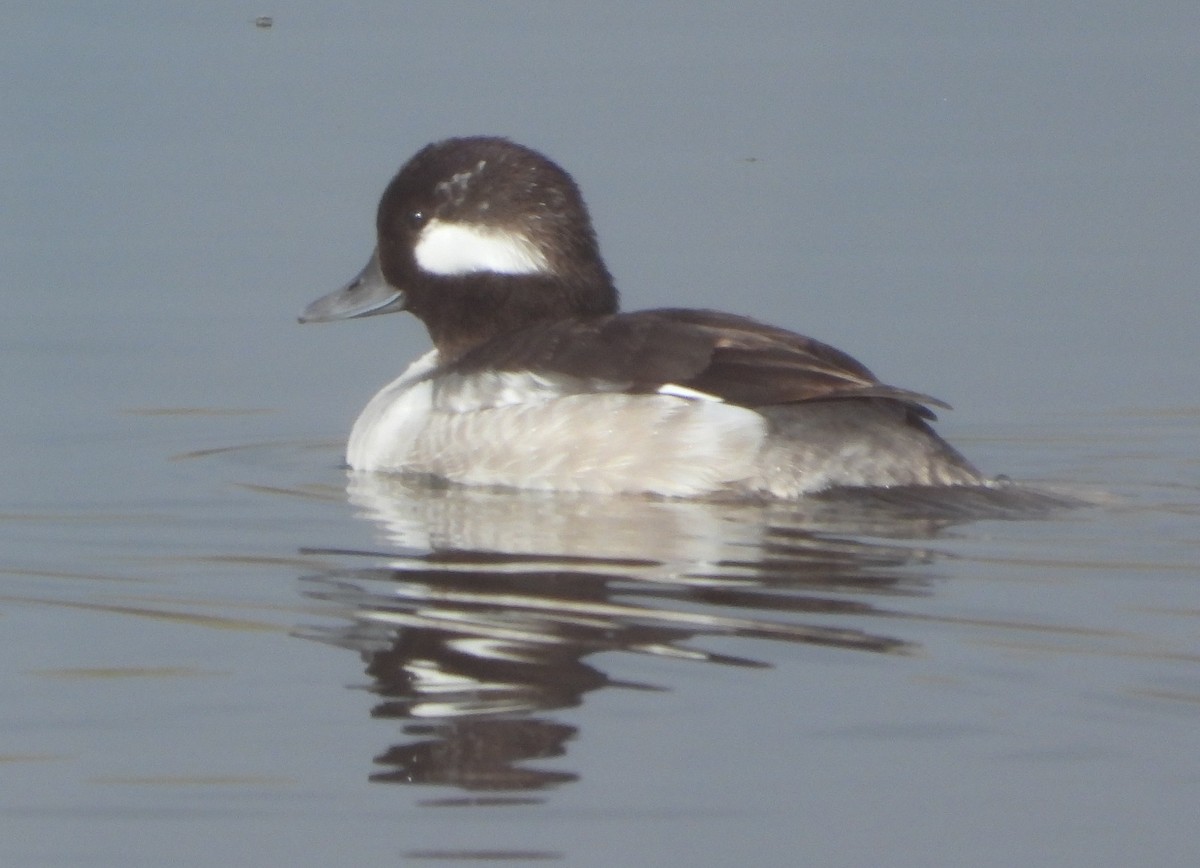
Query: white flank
x,y
459,394
596,442
520,430
448,248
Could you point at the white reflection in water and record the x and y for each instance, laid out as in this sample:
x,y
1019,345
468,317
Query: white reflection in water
x,y
488,609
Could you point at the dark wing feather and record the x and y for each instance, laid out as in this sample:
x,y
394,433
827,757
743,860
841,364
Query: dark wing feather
x,y
735,358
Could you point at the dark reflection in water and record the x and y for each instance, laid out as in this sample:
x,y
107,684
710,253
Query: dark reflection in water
x,y
489,610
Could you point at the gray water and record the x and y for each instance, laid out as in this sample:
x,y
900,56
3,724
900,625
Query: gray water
x,y
218,648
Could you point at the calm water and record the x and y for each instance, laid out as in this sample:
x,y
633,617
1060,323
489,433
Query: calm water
x,y
219,648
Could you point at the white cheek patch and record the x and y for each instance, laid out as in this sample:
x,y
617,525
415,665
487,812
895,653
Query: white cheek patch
x,y
448,248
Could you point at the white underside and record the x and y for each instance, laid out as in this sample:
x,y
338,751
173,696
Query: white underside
x,y
534,432
528,434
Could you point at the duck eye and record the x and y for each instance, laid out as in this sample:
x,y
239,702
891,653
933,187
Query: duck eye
x,y
416,218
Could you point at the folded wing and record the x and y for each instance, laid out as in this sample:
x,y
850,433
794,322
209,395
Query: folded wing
x,y
736,359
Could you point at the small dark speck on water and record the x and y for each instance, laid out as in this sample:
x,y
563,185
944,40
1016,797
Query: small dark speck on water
x,y
264,21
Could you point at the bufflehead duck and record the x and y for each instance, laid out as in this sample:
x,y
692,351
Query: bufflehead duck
x,y
535,380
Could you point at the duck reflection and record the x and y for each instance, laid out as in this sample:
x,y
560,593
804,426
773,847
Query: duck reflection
x,y
489,608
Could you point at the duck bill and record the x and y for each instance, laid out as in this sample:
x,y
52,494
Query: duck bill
x,y
367,295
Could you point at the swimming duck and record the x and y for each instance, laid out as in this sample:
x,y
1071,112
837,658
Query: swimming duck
x,y
537,380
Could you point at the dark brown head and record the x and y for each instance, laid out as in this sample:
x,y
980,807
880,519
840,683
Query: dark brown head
x,y
477,236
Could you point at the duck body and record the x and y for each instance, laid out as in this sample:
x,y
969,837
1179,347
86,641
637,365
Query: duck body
x,y
537,381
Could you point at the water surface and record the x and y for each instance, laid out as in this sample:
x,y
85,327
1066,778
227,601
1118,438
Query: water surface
x,y
221,648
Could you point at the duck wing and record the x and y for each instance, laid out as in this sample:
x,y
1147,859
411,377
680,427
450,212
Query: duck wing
x,y
736,359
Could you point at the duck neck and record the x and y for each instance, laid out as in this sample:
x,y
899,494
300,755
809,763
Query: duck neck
x,y
468,311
